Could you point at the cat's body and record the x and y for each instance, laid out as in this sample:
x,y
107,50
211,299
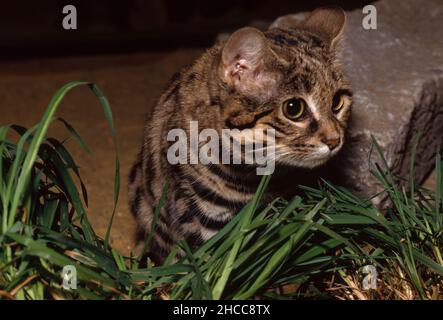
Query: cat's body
x,y
252,80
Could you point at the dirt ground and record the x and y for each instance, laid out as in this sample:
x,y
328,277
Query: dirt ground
x,y
131,83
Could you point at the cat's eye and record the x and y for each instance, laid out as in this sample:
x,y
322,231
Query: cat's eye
x,y
338,102
294,108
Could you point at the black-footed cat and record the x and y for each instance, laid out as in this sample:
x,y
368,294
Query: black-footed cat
x,y
286,79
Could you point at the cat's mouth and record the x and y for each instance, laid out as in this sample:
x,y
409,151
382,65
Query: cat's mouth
x,y
314,157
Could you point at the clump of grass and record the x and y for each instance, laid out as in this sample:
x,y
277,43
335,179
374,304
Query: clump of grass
x,y
309,247
44,223
407,241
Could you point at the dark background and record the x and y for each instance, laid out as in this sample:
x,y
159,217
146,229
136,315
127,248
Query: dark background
x,y
34,28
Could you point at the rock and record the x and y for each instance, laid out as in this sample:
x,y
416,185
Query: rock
x,y
396,72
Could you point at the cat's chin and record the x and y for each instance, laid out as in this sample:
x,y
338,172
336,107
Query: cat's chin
x,y
309,162
303,163
317,162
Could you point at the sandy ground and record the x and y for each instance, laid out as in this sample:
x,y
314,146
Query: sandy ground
x,y
131,83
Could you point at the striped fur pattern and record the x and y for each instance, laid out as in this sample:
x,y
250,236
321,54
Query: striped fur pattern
x,y
242,82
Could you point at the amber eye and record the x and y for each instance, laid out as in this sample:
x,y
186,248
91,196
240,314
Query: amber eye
x,y
338,102
294,108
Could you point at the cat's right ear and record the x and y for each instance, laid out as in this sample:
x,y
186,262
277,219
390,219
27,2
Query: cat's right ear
x,y
242,59
326,22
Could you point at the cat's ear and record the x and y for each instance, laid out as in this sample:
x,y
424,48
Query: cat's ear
x,y
326,22
242,59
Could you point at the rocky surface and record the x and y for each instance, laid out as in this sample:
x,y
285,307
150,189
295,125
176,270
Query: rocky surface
x,y
396,72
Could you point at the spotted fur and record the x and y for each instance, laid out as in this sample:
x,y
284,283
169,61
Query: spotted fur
x,y
240,83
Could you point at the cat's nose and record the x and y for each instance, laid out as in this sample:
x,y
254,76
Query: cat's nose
x,y
332,143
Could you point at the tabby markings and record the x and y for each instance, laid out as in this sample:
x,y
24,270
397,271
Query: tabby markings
x,y
248,146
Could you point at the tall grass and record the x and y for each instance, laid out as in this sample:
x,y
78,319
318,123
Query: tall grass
x,y
308,247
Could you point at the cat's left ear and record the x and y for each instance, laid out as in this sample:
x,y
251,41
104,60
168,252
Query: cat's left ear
x,y
242,63
326,22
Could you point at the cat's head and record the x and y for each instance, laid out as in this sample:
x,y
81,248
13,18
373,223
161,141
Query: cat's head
x,y
288,79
